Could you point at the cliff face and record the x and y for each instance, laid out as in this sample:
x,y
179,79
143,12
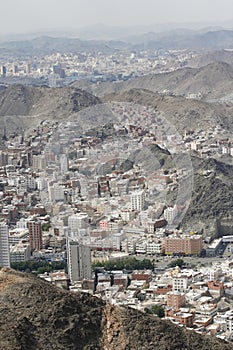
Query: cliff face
x,y
37,316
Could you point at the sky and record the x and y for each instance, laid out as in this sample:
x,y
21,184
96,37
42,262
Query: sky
x,y
24,16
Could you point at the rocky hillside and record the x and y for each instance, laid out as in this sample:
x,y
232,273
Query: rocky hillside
x,y
37,316
25,107
214,80
211,56
181,112
24,100
212,194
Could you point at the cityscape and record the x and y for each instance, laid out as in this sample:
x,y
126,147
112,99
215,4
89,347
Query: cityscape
x,y
116,168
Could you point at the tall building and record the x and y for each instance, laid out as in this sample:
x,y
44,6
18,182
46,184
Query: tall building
x,y
3,158
4,246
35,235
3,71
79,261
15,69
138,200
64,164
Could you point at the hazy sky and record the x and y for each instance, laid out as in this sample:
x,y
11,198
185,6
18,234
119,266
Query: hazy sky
x,y
19,16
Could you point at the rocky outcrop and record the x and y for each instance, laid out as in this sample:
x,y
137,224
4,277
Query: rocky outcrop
x,y
37,316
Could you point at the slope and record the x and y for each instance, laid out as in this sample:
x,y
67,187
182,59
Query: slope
x,y
214,80
37,316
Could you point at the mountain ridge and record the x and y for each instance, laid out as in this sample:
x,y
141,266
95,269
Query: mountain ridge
x,y
213,81
37,315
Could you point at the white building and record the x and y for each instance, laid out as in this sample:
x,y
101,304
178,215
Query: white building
x,y
138,200
154,247
4,246
225,321
117,238
64,164
20,252
180,283
56,193
170,213
79,261
78,221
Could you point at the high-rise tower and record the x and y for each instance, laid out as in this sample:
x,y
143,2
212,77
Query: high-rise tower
x,y
4,246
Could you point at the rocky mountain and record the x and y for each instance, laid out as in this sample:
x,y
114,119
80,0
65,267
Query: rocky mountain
x,y
24,100
185,39
24,107
202,59
149,40
183,113
46,45
214,80
37,316
211,196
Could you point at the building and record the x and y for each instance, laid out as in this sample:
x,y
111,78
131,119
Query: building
x,y
39,162
117,238
3,158
127,215
216,288
4,246
183,244
78,221
35,235
180,283
175,300
170,214
64,164
138,200
20,252
3,71
79,261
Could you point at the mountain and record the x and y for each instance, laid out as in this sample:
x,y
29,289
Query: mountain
x,y
23,106
210,40
45,45
211,196
181,112
214,80
116,38
203,59
36,315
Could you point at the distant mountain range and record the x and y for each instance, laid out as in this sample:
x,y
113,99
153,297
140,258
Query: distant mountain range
x,y
176,39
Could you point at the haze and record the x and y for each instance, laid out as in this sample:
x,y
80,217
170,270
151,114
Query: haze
x,y
21,16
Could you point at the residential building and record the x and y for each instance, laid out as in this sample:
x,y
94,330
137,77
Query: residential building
x,y
175,300
4,246
35,234
183,244
138,200
79,261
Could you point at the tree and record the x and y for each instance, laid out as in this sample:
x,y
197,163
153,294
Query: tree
x,y
177,262
158,310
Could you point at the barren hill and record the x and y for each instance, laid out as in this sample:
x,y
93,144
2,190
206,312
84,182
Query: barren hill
x,y
214,81
212,194
211,56
37,316
24,107
183,113
24,100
